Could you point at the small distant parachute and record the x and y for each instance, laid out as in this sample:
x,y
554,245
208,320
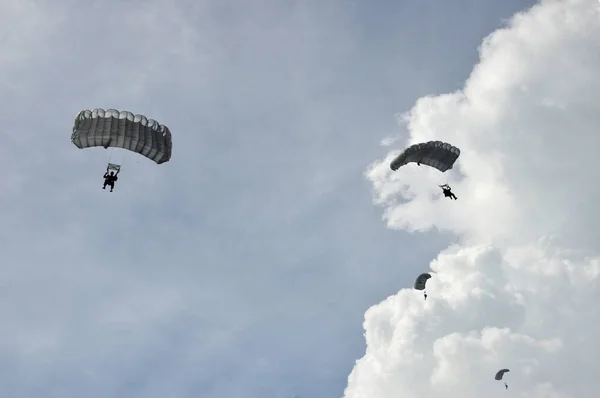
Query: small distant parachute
x,y
500,374
421,281
122,129
436,154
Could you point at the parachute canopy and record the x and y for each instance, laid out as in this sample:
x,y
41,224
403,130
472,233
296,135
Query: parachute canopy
x,y
500,374
122,129
437,154
421,281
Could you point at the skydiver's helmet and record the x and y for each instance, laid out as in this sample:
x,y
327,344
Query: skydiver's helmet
x,y
112,173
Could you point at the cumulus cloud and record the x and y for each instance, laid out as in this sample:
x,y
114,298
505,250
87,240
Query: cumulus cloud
x,y
387,141
520,288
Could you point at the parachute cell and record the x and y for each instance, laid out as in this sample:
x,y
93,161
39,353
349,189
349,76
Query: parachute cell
x,y
122,129
421,281
500,374
436,154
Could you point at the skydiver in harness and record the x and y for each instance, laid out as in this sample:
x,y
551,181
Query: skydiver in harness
x,y
506,386
110,179
448,191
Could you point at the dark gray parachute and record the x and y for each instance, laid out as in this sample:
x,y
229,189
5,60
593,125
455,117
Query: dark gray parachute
x,y
500,373
122,129
436,154
421,281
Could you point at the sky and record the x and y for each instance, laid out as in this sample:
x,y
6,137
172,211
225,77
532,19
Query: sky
x,y
249,264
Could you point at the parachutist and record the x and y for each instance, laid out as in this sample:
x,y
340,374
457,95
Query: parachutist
x,y
500,374
420,283
448,191
109,179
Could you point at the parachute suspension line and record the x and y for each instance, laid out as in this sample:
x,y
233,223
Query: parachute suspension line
x,y
115,159
111,165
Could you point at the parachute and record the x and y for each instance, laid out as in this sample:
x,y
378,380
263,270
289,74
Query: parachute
x,y
122,129
500,374
436,154
421,281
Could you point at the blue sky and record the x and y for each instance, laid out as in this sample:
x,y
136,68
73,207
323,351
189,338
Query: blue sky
x,y
245,265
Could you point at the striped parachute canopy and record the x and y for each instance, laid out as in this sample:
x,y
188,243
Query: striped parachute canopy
x,y
122,129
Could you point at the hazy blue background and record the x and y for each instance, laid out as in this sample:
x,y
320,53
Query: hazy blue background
x,y
243,267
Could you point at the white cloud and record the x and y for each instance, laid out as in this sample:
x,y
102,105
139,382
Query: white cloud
x,y
521,288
